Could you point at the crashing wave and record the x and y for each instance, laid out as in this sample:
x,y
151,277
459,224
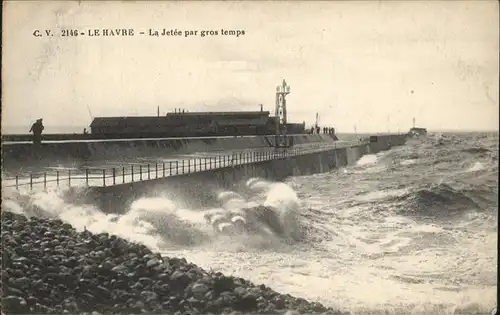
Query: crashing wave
x,y
253,220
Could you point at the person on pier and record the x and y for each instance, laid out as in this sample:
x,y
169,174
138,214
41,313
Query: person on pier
x,y
37,129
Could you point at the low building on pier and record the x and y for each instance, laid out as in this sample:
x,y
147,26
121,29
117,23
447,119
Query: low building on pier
x,y
190,124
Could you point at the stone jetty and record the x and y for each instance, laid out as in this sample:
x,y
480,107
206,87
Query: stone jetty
x,y
49,267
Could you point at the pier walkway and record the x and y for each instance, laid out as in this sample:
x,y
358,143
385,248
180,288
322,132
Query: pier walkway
x,y
110,176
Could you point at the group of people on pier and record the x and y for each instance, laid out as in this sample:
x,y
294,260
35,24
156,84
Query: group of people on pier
x,y
326,130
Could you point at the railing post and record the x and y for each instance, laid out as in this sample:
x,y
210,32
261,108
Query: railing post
x,y
189,165
69,178
44,180
149,171
104,177
176,167
163,164
114,176
123,175
156,169
31,181
170,168
57,178
140,172
87,177
182,166
194,162
17,182
132,172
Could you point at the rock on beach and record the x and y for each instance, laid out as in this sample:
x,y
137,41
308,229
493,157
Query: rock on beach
x,y
49,267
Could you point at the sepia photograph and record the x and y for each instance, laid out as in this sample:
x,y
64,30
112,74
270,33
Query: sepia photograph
x,y
250,157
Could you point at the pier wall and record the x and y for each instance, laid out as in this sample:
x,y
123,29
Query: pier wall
x,y
200,189
16,155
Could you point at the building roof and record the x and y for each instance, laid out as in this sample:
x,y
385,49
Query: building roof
x,y
137,120
418,129
240,114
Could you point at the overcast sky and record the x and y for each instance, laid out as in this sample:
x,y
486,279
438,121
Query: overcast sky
x,y
370,64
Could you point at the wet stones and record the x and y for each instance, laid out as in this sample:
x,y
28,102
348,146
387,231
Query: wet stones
x,y
49,267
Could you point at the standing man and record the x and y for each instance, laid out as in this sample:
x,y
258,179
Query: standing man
x,y
37,129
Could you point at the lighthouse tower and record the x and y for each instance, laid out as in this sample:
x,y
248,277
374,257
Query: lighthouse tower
x,y
280,113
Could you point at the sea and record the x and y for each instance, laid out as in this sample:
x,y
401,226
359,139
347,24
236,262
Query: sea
x,y
412,230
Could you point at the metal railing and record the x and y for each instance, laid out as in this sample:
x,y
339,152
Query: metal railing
x,y
150,171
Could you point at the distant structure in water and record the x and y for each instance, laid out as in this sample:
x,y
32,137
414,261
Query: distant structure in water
x,y
417,132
